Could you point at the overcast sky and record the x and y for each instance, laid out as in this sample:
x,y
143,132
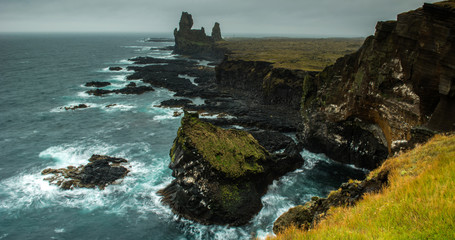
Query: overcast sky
x,y
273,17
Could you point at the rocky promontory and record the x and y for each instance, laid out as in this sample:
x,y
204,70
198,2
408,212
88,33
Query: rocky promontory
x,y
360,109
221,174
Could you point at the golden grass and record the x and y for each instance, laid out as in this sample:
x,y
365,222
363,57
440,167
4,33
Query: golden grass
x,y
419,202
292,53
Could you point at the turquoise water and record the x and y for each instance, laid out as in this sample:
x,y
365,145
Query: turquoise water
x,y
39,75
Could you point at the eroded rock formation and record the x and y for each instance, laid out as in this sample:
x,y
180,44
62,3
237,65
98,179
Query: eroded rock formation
x,y
359,109
194,42
221,174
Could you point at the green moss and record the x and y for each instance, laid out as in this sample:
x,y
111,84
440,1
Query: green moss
x,y
233,152
229,196
307,89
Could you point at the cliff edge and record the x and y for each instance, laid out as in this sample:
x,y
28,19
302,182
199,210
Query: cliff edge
x,y
400,83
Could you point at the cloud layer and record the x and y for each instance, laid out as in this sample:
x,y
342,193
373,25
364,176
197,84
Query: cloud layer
x,y
245,17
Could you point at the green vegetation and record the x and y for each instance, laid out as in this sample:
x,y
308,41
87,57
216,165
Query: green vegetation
x,y
292,53
232,152
418,203
229,196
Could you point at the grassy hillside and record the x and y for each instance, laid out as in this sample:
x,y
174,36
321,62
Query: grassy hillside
x,y
293,53
419,202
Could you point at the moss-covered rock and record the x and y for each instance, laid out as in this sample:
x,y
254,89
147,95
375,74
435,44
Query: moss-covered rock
x,y
220,175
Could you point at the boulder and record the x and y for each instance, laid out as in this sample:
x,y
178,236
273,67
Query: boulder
x,y
97,84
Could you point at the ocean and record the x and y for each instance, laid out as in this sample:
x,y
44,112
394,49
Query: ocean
x,y
40,74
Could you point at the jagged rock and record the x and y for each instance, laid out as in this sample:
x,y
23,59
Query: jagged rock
x,y
220,174
77,107
174,103
357,110
195,43
308,215
130,89
97,84
100,172
131,84
115,68
216,32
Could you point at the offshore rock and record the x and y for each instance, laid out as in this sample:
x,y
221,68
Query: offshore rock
x,y
97,84
131,88
220,174
100,172
358,109
194,42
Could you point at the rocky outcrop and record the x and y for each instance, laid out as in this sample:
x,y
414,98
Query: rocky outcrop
x,y
194,42
308,215
115,68
80,106
129,89
262,82
100,172
358,109
221,174
97,84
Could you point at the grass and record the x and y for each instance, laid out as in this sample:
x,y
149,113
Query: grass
x,y
233,152
419,202
292,53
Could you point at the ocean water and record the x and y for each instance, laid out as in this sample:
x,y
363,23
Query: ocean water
x,y
40,74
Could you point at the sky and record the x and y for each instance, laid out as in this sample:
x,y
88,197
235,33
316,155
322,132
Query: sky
x,y
323,18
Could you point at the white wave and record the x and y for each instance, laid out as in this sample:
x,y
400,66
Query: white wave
x,y
123,70
121,78
125,61
59,230
186,76
167,114
83,94
119,107
73,104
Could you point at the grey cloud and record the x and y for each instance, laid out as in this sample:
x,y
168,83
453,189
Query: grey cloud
x,y
303,17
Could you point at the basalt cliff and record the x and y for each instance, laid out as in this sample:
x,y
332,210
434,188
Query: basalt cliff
x,y
398,87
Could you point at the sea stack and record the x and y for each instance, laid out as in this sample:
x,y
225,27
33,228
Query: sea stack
x,y
194,42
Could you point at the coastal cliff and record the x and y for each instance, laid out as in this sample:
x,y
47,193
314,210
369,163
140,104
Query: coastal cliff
x,y
262,82
368,104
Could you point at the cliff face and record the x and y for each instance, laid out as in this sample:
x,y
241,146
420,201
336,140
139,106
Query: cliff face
x,y
359,109
262,82
195,42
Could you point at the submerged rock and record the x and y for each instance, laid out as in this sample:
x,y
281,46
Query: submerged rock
x,y
130,89
97,84
76,107
100,172
115,68
220,174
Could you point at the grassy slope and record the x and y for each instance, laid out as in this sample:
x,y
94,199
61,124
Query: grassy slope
x,y
419,202
293,53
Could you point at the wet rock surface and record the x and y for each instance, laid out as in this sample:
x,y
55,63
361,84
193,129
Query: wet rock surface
x,y
97,84
100,172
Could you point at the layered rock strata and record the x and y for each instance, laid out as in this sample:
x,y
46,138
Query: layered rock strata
x,y
359,109
221,174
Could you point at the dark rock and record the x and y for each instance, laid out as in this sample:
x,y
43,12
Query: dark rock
x,y
115,68
159,40
174,103
220,174
131,84
126,90
196,43
77,107
308,215
97,84
216,32
272,140
401,78
100,172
